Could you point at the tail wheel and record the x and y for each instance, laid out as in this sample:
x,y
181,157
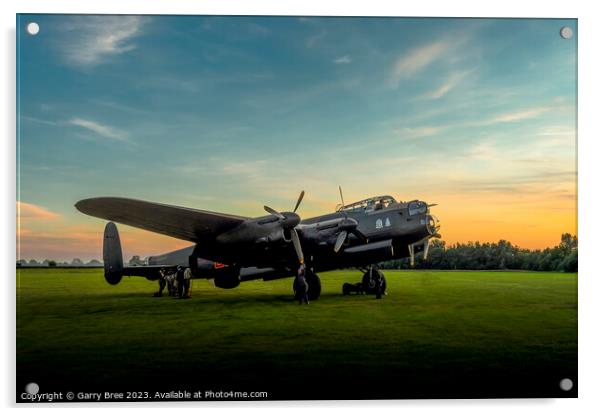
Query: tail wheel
x,y
369,282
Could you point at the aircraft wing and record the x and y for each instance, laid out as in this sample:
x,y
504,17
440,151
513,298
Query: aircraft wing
x,y
184,223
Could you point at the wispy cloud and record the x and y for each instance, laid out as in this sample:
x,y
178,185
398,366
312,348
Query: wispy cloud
x,y
515,116
314,39
257,29
482,151
342,60
450,83
92,40
32,212
38,120
418,132
533,182
100,129
416,59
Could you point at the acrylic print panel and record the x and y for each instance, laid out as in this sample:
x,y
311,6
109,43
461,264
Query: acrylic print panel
x,y
166,250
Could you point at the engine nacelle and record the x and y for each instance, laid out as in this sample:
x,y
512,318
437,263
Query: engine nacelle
x,y
372,252
226,277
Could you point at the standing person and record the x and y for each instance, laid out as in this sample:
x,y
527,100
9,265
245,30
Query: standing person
x,y
378,278
301,286
162,283
171,283
187,282
180,281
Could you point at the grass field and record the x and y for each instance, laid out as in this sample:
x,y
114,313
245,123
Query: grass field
x,y
436,334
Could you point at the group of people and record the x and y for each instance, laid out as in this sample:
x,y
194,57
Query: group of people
x,y
178,284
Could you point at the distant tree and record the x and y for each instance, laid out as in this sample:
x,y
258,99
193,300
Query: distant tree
x,y
33,262
494,256
568,242
51,263
569,263
77,262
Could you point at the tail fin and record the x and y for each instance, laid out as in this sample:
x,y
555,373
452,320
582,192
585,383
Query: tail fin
x,y
111,254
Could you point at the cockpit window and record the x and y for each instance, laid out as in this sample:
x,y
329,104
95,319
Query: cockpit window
x,y
417,207
369,205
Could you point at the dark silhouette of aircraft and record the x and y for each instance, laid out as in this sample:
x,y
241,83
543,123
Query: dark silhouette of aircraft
x,y
231,249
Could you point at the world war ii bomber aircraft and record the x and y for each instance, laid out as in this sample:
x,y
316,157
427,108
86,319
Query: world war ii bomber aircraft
x,y
231,249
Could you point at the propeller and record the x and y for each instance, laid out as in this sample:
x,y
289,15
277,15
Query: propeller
x,y
297,245
301,195
340,241
274,212
280,215
348,225
289,222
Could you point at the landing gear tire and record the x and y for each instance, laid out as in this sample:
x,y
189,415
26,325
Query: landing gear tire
x,y
369,282
314,286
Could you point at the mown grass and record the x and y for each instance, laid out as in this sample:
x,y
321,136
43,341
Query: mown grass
x,y
436,334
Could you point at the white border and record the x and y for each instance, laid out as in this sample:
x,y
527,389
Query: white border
x,y
590,208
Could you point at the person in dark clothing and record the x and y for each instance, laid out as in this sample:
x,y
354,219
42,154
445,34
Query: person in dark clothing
x,y
187,282
162,283
170,279
301,286
180,280
378,279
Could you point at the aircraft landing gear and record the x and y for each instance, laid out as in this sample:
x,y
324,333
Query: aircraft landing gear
x,y
369,281
314,285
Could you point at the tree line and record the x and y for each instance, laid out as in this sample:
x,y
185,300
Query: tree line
x,y
461,256
494,256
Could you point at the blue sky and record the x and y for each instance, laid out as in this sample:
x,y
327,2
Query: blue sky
x,y
231,113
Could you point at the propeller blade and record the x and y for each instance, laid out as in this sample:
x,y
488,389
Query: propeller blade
x,y
273,212
432,205
341,192
426,249
301,195
360,235
297,244
411,250
340,241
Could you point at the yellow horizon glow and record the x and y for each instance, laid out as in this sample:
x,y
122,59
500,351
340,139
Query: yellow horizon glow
x,y
531,221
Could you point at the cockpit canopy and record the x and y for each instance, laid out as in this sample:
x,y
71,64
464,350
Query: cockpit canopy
x,y
417,207
367,205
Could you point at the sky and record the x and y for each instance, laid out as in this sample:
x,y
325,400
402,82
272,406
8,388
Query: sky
x,y
232,113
